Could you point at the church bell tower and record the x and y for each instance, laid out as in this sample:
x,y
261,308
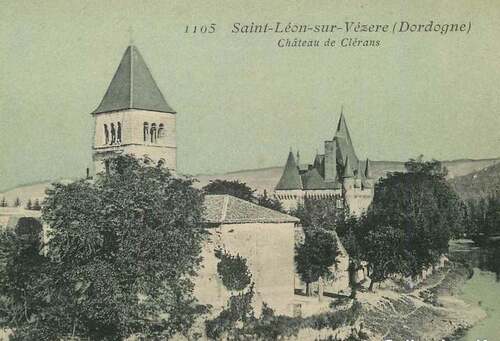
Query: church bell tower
x,y
133,117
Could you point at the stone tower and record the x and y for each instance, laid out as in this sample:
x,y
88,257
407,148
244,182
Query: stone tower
x,y
133,117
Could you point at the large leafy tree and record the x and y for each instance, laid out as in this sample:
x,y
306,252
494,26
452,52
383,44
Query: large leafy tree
x,y
318,252
243,191
232,187
410,222
121,254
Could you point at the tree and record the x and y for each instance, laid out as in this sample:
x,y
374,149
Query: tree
x,y
316,255
21,268
29,205
269,202
36,205
410,222
319,251
120,258
17,202
3,202
235,188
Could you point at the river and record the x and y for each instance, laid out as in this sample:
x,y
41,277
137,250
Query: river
x,y
483,288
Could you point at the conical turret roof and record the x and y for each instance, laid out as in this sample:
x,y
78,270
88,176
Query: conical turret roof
x,y
133,87
345,147
347,169
290,179
368,173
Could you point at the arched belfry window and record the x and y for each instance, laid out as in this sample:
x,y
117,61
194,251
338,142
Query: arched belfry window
x,y
152,132
161,131
119,133
106,134
146,131
113,133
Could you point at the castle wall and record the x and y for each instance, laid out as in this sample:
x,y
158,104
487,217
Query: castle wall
x,y
269,251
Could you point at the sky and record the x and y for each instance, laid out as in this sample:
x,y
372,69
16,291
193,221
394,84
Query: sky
x,y
242,102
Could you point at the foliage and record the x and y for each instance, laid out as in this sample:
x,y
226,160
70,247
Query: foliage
x,y
321,213
233,270
410,222
36,205
231,324
121,253
243,191
315,256
269,202
235,188
21,270
239,309
483,218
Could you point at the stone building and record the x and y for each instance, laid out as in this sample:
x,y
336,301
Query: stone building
x,y
264,237
336,174
133,117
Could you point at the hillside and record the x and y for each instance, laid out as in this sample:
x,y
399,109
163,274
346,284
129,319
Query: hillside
x,y
478,184
266,178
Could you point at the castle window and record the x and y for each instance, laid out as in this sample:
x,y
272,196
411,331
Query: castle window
x,y
106,134
119,133
113,133
152,132
161,131
146,131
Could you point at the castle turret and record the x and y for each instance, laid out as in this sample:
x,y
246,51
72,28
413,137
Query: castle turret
x,y
290,179
368,182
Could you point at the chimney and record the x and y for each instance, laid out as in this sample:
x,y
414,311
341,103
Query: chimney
x,y
330,161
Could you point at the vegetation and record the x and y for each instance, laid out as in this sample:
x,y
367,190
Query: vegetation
x,y
121,254
238,322
409,224
316,255
483,218
233,271
243,191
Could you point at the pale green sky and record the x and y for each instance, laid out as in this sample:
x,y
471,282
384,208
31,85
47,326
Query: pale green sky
x,y
242,101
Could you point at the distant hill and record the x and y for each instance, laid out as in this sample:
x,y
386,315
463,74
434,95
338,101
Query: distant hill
x,y
478,184
266,178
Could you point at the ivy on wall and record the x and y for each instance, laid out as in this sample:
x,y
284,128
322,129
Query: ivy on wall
x,y
233,270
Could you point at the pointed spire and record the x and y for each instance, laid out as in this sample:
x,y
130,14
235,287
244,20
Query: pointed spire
x,y
347,169
133,87
342,130
368,173
290,179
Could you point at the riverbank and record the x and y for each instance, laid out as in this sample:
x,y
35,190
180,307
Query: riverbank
x,y
432,311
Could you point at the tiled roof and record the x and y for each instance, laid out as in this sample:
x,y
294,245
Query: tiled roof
x,y
227,209
133,87
313,180
290,179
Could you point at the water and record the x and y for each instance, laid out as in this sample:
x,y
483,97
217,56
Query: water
x,y
483,288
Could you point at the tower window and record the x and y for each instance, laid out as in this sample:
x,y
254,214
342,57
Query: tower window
x,y
113,133
153,132
146,131
161,131
119,133
106,134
